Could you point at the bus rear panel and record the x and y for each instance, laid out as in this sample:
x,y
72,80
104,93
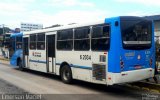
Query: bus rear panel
x,y
132,54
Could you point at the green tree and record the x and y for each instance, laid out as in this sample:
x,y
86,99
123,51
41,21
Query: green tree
x,y
5,29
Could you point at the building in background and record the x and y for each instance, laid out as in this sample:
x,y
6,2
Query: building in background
x,y
156,20
30,27
3,31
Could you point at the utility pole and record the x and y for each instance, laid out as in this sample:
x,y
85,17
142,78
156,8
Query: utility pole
x,y
2,26
3,33
3,29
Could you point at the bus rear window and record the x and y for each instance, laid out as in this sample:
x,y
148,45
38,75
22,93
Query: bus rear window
x,y
136,34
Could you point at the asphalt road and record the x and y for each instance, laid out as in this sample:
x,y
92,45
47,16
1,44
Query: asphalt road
x,y
7,88
32,82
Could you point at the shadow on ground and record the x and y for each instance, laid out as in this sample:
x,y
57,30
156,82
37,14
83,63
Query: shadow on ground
x,y
117,90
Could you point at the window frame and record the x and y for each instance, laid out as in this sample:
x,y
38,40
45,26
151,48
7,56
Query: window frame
x,y
19,42
100,38
82,39
66,40
25,45
33,41
42,42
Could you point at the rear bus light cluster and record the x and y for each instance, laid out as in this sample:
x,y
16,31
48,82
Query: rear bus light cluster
x,y
150,62
121,64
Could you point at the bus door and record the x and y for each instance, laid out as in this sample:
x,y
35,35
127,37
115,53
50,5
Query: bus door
x,y
25,51
50,53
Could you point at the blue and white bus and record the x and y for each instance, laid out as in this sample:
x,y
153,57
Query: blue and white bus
x,y
15,49
111,51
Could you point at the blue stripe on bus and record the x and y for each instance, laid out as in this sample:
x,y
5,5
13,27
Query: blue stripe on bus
x,y
37,61
82,67
58,63
77,66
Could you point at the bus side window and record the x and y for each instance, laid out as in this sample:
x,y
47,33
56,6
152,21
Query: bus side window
x,y
82,39
25,45
33,41
65,40
100,37
41,41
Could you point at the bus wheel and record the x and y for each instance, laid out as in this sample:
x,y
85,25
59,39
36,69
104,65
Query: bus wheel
x,y
20,65
66,74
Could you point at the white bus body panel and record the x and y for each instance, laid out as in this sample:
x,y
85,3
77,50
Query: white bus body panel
x,y
51,61
26,61
37,63
130,76
81,69
73,58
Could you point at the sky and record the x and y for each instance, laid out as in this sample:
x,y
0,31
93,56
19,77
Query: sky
x,y
51,12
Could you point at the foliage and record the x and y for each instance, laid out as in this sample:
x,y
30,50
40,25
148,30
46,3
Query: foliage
x,y
6,30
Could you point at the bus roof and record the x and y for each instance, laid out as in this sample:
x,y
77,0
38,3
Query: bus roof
x,y
64,27
16,34
78,25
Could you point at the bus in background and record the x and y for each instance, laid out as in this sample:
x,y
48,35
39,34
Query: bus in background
x,y
6,40
15,49
5,45
112,51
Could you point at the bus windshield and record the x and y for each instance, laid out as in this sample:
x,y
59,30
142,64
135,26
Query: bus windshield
x,y
136,34
18,42
12,46
7,40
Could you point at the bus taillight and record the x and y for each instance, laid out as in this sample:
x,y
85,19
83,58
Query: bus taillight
x,y
122,64
150,62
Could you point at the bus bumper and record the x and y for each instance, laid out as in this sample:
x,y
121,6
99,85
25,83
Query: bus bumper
x,y
13,63
129,76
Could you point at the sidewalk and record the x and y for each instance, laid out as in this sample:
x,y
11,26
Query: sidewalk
x,y
4,60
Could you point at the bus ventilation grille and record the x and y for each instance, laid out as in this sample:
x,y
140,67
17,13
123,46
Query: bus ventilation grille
x,y
99,72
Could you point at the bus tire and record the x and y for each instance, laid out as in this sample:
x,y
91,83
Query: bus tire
x,y
66,74
20,67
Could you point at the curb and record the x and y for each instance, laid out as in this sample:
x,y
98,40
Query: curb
x,y
137,87
146,86
155,91
4,61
